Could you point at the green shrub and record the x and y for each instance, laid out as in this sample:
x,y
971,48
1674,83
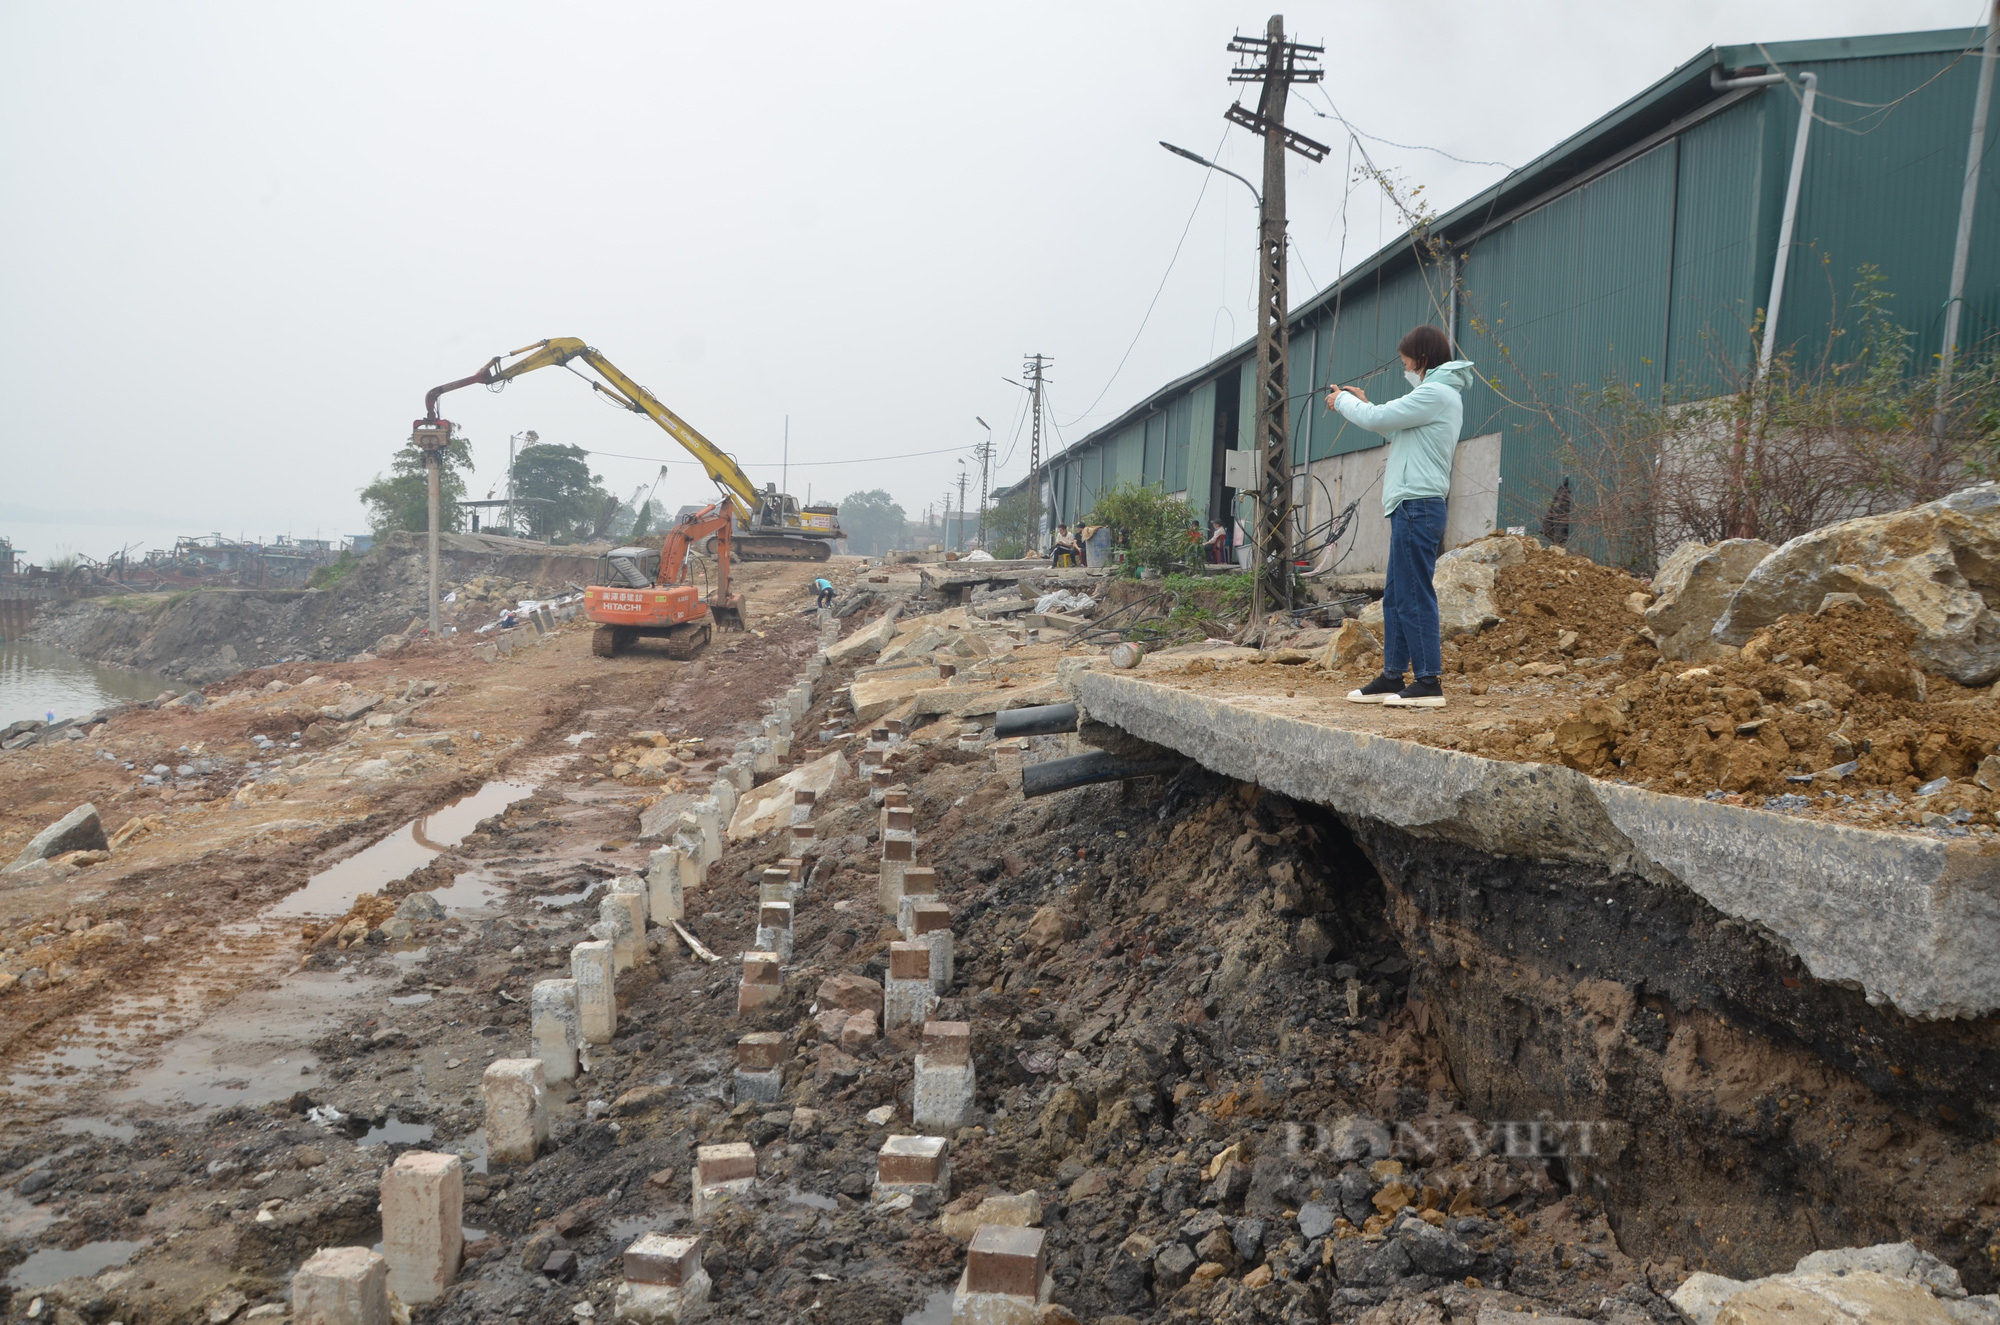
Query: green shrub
x,y
1149,525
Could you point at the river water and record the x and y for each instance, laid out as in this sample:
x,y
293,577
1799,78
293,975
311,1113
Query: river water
x,y
37,680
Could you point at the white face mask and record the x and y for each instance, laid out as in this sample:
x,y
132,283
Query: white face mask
x,y
1413,377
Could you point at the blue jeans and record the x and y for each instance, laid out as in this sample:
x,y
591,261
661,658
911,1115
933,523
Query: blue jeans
x,y
1410,601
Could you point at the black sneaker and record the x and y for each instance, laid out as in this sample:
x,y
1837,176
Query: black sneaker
x,y
1423,693
1377,691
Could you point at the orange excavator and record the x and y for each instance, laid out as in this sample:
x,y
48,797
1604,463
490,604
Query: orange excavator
x,y
637,592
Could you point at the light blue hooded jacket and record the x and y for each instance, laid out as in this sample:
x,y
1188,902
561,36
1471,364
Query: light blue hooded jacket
x,y
1422,428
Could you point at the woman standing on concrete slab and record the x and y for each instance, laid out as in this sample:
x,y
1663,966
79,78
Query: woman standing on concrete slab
x,y
1422,428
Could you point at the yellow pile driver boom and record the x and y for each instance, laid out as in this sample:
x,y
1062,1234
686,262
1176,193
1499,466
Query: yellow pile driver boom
x,y
771,525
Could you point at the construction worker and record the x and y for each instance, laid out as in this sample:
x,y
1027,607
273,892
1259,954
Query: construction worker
x,y
1422,427
822,592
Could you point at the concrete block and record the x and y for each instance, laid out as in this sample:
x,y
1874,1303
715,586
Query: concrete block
x,y
1005,1280
423,1235
763,981
919,887
899,819
889,885
593,966
554,1029
342,1286
795,869
948,1043
760,1067
658,1259
738,775
725,798
623,916
517,1117
804,839
907,995
671,874
943,948
774,928
721,1172
662,1304
895,797
780,882
708,814
899,846
1007,758
917,1165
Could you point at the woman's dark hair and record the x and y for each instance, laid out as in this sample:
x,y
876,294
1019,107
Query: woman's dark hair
x,y
1427,345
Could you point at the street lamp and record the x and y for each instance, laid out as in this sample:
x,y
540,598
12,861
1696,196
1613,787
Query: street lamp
x,y
1200,160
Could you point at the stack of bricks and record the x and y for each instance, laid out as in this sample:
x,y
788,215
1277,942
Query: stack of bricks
x,y
774,928
1006,1278
721,1172
930,925
907,993
942,1096
916,1166
664,1282
763,981
760,1067
919,887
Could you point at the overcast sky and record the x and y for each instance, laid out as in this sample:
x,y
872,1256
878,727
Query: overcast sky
x,y
239,242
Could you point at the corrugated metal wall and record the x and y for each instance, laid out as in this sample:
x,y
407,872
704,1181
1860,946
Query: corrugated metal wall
x,y
1650,274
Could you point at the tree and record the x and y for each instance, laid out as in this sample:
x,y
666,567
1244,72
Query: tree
x,y
402,500
873,521
564,496
1007,525
1151,526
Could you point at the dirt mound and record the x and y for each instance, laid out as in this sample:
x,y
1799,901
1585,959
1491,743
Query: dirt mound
x,y
1833,708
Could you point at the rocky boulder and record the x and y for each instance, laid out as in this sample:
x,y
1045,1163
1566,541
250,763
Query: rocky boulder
x,y
1692,590
1464,583
1934,565
79,830
1893,1282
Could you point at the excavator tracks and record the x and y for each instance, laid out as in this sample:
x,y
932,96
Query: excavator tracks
x,y
750,547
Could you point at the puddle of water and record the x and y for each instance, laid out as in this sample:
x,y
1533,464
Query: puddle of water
x,y
394,1131
408,1000
96,1127
473,890
472,1150
936,1310
559,900
331,891
52,1266
813,1199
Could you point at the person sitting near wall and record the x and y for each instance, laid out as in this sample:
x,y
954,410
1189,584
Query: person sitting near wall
x,y
1064,551
508,620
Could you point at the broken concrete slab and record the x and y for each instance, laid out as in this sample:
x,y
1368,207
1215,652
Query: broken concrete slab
x,y
767,808
868,641
977,700
873,696
1911,920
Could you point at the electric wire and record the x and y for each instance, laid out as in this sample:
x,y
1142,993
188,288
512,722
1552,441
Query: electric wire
x,y
1206,175
1878,111
1407,147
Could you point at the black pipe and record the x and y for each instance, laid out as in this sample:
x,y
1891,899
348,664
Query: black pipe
x,y
1098,766
1041,721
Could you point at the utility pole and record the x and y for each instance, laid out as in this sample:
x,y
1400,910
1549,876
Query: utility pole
x,y
1275,64
985,461
961,505
432,437
1033,368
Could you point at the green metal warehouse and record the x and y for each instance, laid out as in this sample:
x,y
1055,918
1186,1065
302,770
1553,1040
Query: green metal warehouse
x,y
1641,250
